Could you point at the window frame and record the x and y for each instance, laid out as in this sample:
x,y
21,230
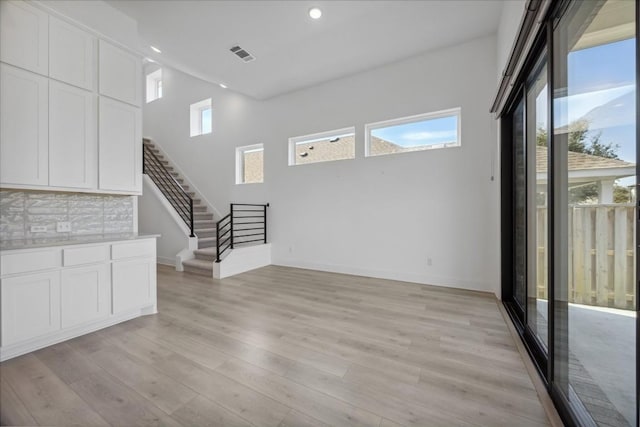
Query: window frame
x,y
195,117
319,136
450,112
240,165
153,86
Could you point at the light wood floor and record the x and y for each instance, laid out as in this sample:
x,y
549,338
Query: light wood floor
x,y
283,347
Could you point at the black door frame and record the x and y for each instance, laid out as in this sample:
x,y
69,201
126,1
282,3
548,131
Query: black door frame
x,y
572,415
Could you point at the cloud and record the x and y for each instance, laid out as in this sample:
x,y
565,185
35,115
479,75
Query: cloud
x,y
426,135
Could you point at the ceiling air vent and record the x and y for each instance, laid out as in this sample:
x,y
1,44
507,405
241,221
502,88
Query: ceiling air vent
x,y
242,54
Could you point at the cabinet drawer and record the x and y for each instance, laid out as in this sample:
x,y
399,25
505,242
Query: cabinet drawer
x,y
23,262
86,255
140,248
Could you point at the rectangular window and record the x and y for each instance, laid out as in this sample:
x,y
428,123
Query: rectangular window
x,y
205,119
250,164
422,132
154,85
322,147
201,117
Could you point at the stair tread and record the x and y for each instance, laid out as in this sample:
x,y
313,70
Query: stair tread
x,y
205,251
206,239
198,263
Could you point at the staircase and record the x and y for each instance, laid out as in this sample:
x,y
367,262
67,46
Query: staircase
x,y
202,264
242,231
179,195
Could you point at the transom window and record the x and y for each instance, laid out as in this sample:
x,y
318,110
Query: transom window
x,y
322,147
154,85
440,129
201,117
250,164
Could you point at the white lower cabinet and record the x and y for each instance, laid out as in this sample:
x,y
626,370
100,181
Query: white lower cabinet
x,y
79,289
133,284
30,306
85,294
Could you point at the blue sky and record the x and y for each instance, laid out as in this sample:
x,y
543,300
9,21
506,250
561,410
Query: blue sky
x,y
206,120
601,88
430,132
604,76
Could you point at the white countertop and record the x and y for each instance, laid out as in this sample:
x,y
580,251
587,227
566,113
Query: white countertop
x,y
8,245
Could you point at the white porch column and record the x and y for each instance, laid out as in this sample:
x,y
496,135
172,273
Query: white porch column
x,y
605,191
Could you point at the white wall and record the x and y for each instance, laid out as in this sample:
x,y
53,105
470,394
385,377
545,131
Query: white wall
x,y
381,216
512,12
154,218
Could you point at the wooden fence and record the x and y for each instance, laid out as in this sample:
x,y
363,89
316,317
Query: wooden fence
x,y
601,255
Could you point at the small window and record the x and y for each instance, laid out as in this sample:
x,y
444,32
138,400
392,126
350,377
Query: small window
x,y
154,85
250,164
322,147
201,118
422,132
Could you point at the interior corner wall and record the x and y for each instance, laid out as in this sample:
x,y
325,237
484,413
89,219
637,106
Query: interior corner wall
x,y
381,216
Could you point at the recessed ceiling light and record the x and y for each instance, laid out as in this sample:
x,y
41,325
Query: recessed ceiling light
x,y
223,86
149,60
315,13
155,49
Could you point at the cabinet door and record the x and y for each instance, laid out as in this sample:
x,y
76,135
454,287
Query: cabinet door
x,y
72,56
85,294
73,158
133,284
120,74
24,36
23,127
120,147
30,306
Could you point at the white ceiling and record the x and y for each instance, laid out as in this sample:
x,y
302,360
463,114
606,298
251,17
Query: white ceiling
x,y
293,51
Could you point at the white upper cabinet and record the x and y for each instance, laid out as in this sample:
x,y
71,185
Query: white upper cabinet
x,y
53,77
72,55
120,74
72,137
24,142
24,36
120,146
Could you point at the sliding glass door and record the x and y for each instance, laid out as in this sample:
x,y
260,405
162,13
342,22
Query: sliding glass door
x,y
538,200
570,142
594,129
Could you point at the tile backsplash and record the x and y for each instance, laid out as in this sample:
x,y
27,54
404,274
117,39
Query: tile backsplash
x,y
87,213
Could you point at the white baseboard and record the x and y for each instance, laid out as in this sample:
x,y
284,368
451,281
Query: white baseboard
x,y
166,261
447,282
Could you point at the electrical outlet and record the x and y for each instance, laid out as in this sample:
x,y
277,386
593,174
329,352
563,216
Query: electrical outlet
x,y
63,227
429,262
38,228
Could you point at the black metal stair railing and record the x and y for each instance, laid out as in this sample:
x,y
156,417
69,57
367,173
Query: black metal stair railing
x,y
244,224
168,185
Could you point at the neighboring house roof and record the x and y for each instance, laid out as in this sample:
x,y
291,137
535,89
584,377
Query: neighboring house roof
x,y
344,148
586,167
323,150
